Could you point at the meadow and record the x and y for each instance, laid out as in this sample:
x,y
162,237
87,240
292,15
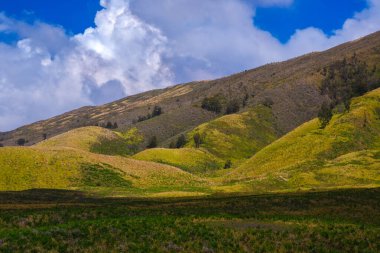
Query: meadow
x,y
70,221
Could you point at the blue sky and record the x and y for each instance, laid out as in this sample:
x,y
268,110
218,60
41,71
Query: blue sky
x,y
281,21
56,56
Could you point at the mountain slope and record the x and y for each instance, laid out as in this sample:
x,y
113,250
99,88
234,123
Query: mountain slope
x,y
68,168
292,86
345,153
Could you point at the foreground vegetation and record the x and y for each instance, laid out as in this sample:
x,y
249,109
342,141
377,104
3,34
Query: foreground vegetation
x,y
63,221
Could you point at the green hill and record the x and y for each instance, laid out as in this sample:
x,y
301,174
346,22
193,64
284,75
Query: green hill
x,y
67,168
96,140
237,137
189,159
346,153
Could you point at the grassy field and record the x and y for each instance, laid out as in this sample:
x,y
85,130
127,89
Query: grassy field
x,y
64,221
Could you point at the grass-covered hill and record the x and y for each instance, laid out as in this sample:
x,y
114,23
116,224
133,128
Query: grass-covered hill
x,y
291,87
91,159
235,138
346,153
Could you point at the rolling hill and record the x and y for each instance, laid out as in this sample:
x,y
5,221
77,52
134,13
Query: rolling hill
x,y
292,87
269,141
344,154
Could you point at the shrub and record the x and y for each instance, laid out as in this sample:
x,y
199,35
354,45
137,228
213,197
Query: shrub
x,y
228,164
233,107
157,111
44,136
152,142
181,141
1,145
197,140
21,142
325,114
212,104
172,144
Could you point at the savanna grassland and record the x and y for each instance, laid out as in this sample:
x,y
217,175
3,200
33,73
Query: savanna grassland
x,y
64,221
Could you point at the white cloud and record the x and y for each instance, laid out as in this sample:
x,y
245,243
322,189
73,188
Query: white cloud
x,y
46,72
142,45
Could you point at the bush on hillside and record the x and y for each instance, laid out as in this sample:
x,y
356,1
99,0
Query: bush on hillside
x,y
157,111
232,107
197,140
228,164
181,141
325,114
152,142
21,142
212,104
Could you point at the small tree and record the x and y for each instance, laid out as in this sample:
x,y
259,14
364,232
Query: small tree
x,y
109,125
157,111
172,144
1,145
233,107
212,104
44,136
115,125
325,114
152,142
21,142
197,140
181,141
228,164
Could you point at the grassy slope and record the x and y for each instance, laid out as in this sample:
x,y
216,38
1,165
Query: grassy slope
x,y
234,137
345,153
94,139
237,137
68,168
188,159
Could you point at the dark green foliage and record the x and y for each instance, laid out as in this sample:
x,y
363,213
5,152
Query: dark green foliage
x,y
181,141
197,140
95,175
172,145
212,104
21,142
335,221
228,164
44,136
346,79
109,125
152,142
325,114
157,111
232,107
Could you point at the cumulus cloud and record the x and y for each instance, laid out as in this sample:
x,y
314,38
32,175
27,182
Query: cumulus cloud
x,y
138,45
46,72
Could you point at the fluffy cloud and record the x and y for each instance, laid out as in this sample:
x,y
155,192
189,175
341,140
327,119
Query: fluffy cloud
x,y
139,45
46,72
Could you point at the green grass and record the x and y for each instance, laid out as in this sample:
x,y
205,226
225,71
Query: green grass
x,y
335,221
24,168
343,154
189,159
237,137
97,140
